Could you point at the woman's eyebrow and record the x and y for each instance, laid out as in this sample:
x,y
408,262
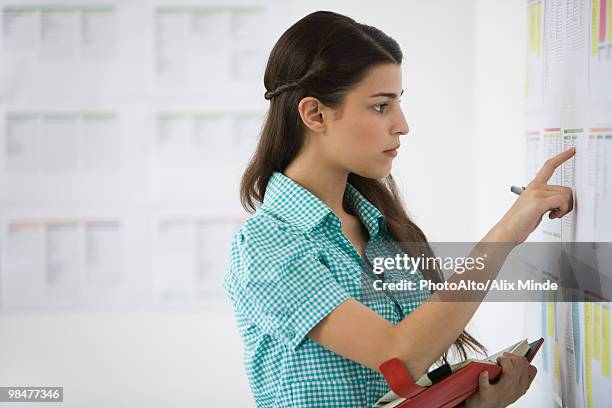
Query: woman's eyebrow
x,y
387,94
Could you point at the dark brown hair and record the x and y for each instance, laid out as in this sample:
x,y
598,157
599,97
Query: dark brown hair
x,y
324,55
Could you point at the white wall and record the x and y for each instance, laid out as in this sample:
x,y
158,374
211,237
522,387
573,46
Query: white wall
x,y
154,359
498,102
463,81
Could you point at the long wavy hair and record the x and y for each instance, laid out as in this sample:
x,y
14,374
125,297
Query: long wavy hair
x,y
323,55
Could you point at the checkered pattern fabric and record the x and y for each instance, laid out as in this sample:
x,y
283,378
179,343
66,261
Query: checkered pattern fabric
x,y
290,266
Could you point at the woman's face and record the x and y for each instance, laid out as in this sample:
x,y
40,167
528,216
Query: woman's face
x,y
369,123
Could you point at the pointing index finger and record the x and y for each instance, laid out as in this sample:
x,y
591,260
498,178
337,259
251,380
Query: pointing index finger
x,y
551,165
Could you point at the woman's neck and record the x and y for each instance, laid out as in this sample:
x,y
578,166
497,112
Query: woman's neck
x,y
327,184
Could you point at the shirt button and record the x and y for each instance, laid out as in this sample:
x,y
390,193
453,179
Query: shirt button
x,y
290,333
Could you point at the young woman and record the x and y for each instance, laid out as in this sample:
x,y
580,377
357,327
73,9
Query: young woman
x,y
321,186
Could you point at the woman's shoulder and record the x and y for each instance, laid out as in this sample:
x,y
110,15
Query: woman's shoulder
x,y
266,234
265,245
263,223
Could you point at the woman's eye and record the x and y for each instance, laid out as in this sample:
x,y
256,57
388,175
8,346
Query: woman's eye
x,y
382,107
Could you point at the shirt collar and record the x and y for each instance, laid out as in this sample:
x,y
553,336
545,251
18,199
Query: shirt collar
x,y
296,205
366,211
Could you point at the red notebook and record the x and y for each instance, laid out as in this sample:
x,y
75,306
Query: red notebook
x,y
447,392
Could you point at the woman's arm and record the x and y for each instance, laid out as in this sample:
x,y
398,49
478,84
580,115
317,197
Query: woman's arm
x,y
360,334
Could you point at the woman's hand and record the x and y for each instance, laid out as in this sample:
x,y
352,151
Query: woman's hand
x,y
526,213
513,383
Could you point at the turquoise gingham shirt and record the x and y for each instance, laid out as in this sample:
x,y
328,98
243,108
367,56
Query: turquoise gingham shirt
x,y
290,266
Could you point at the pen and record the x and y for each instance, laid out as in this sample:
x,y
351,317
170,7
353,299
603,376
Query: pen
x,y
517,189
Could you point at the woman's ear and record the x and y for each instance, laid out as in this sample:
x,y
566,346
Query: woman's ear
x,y
313,114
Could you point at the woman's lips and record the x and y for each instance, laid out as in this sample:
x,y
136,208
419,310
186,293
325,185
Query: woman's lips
x,y
392,152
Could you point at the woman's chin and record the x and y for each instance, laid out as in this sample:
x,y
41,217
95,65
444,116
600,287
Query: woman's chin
x,y
378,173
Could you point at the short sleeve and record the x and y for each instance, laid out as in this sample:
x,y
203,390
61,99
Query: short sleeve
x,y
281,285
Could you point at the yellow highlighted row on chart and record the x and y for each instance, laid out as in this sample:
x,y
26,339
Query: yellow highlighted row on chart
x,y
605,337
588,348
535,27
551,317
609,10
596,331
595,27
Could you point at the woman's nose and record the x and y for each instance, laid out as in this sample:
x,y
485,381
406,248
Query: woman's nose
x,y
402,126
